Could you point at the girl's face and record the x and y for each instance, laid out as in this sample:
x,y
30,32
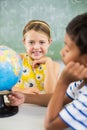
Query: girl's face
x,y
36,44
70,51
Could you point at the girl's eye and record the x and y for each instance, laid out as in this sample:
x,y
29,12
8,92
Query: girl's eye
x,y
41,43
31,42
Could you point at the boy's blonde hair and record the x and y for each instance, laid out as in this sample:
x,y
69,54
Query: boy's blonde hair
x,y
37,25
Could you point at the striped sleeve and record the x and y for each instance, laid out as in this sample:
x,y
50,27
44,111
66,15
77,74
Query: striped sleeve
x,y
75,113
71,91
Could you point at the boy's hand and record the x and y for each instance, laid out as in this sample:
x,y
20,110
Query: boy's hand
x,y
73,72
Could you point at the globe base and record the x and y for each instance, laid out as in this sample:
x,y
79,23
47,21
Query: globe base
x,y
6,110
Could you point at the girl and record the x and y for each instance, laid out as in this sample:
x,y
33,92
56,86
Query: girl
x,y
42,77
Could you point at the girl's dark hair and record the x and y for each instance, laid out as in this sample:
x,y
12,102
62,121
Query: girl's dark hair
x,y
77,30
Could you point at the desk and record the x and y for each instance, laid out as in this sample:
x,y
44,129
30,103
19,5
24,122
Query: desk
x,y
29,117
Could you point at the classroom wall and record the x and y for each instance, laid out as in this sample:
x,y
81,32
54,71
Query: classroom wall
x,y
14,14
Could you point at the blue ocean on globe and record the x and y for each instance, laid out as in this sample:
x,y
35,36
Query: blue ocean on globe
x,y
10,68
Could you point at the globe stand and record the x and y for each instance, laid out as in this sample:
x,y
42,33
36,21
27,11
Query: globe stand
x,y
6,110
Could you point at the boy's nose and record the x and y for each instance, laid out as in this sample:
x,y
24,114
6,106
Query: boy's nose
x,y
61,52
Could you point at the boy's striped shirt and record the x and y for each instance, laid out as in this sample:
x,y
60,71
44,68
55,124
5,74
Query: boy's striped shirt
x,y
75,113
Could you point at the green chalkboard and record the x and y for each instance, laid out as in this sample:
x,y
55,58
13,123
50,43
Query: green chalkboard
x,y
14,14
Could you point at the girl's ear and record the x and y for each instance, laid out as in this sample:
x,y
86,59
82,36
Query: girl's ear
x,y
50,41
23,40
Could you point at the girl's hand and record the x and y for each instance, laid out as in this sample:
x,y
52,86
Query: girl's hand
x,y
43,60
16,98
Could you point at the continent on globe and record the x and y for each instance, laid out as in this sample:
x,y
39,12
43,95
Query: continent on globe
x,y
10,68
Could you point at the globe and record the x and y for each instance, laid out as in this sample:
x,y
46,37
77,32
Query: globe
x,y
10,73
10,68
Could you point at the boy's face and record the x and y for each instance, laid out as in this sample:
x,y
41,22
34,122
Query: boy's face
x,y
70,51
36,44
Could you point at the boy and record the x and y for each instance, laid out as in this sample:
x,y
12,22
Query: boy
x,y
74,55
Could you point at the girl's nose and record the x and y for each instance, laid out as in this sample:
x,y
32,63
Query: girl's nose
x,y
36,46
